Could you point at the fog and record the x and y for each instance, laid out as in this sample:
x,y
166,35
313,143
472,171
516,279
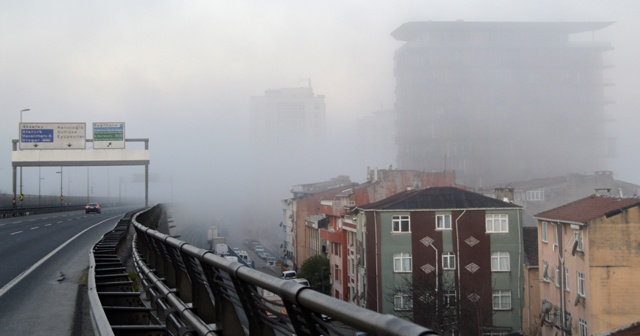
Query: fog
x,y
182,74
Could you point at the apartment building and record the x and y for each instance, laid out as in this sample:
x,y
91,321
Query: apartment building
x,y
588,258
477,98
303,218
445,257
540,194
340,236
288,118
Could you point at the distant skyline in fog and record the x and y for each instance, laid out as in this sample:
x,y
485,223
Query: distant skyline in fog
x,y
182,74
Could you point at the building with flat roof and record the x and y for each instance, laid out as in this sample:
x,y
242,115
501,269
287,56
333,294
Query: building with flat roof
x,y
489,99
288,118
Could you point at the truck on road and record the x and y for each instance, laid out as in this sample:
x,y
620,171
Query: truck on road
x,y
221,249
214,239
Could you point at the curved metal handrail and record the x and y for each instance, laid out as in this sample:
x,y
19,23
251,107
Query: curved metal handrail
x,y
197,292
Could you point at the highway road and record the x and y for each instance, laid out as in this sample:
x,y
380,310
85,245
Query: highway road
x,y
43,264
194,231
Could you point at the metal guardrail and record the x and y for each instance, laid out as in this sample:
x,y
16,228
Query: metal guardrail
x,y
117,307
195,292
5,213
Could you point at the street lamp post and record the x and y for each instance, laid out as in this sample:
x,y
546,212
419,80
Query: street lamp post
x,y
60,172
69,188
19,137
40,178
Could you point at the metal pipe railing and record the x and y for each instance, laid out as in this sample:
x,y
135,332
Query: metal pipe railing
x,y
204,294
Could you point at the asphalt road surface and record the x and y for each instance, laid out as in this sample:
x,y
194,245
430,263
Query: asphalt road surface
x,y
43,264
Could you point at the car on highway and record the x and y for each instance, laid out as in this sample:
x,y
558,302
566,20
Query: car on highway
x,y
92,207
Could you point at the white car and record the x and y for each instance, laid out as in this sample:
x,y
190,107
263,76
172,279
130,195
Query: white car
x,y
301,281
271,261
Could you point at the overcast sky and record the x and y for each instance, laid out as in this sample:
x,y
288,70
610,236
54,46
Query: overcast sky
x,y
181,72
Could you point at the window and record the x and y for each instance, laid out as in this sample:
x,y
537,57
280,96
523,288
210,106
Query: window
x,y
400,224
566,279
402,262
448,261
495,333
443,222
557,276
582,328
402,302
449,298
337,274
535,195
545,271
497,223
578,236
500,262
501,300
543,232
336,249
581,284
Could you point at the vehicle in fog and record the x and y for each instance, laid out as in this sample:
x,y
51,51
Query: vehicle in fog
x,y
221,249
92,207
289,275
259,251
302,281
244,255
271,261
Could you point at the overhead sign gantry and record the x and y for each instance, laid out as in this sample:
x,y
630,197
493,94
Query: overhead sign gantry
x,y
65,144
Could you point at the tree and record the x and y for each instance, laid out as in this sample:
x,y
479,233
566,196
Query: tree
x,y
317,270
441,307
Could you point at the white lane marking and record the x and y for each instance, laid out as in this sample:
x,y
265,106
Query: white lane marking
x,y
35,227
48,224
59,222
22,275
15,233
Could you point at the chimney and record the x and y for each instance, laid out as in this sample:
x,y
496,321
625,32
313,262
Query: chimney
x,y
505,194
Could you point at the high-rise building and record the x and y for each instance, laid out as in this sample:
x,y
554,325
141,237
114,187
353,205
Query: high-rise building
x,y
377,138
502,101
288,118
287,129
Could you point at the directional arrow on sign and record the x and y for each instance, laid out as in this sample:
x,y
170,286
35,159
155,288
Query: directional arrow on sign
x,y
69,145
35,145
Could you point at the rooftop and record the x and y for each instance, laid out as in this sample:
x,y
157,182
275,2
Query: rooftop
x,y
588,208
438,198
409,30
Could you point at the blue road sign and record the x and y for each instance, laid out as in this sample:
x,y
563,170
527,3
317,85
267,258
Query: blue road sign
x,y
36,135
